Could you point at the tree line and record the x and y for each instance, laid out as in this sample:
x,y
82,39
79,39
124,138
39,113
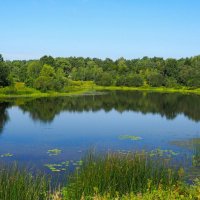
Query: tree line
x,y
50,73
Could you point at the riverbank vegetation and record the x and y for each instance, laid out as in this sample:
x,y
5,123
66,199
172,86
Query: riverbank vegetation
x,y
16,183
53,76
121,176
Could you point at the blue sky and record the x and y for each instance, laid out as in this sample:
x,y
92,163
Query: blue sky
x,y
99,28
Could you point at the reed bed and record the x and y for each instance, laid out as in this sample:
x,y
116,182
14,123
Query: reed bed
x,y
119,174
19,184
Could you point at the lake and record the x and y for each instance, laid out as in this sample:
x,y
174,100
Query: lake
x,y
70,126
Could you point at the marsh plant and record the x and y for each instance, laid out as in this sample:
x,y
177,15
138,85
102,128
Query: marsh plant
x,y
121,174
19,184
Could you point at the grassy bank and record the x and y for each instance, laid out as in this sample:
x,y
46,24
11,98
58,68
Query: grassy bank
x,y
151,89
113,176
20,90
82,87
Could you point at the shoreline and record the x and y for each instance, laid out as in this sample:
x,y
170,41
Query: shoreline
x,y
95,88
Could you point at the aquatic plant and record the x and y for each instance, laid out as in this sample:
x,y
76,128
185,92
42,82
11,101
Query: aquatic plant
x,y
54,167
54,152
129,137
161,152
121,173
63,166
189,144
19,184
6,155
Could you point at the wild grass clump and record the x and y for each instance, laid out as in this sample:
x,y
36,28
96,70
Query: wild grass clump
x,y
19,184
182,191
120,174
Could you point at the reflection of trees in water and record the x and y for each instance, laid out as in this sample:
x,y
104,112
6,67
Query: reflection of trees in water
x,y
3,115
168,105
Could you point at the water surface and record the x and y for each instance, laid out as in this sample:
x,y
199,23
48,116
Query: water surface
x,y
31,127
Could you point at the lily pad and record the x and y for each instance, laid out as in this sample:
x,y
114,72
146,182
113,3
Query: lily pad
x,y
161,152
6,155
130,137
54,152
63,166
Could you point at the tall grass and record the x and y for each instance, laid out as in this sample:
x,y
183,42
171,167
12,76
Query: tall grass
x,y
19,184
120,174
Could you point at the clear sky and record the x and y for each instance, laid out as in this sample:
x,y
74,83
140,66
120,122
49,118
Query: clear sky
x,y
99,28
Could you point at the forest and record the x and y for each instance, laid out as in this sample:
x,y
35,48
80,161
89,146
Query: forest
x,y
53,74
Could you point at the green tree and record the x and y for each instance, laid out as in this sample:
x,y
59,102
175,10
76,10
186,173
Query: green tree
x,y
105,79
170,82
4,73
44,83
122,67
64,64
134,80
33,69
48,60
46,79
48,70
171,68
60,80
155,79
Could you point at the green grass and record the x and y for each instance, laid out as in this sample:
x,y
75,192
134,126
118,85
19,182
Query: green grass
x,y
19,184
179,192
116,173
20,90
112,176
82,87
152,89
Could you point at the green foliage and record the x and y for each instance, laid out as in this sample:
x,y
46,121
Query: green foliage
x,y
170,68
134,80
105,79
155,79
33,69
47,70
4,73
18,184
122,174
170,82
154,72
48,60
178,192
44,83
49,79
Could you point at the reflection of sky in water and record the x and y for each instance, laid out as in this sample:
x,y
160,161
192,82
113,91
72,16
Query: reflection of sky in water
x,y
76,132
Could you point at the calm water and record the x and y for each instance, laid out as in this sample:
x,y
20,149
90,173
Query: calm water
x,y
29,128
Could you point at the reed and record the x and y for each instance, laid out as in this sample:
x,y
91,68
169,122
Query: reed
x,y
121,174
20,184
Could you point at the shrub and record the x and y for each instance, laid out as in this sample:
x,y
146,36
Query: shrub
x,y
134,80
